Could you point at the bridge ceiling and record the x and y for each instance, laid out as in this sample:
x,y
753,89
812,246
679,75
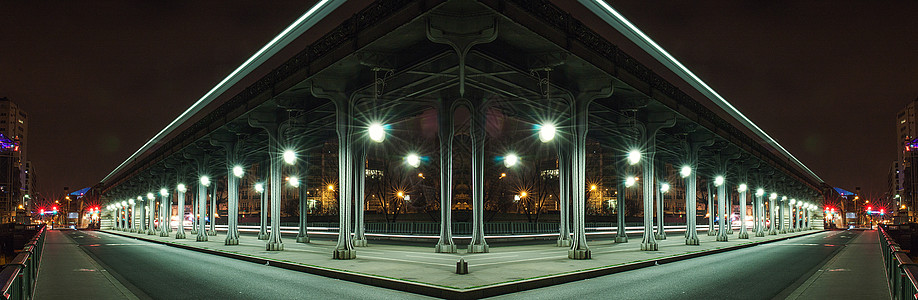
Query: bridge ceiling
x,y
531,70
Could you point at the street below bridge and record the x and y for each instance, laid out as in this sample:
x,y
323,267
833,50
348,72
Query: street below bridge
x,y
766,271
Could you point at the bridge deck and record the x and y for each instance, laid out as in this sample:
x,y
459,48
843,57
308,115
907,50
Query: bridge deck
x,y
505,269
67,272
856,272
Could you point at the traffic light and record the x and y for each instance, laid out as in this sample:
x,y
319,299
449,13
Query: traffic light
x,y
869,208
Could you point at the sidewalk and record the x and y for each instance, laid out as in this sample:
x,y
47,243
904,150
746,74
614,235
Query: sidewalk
x,y
856,272
66,272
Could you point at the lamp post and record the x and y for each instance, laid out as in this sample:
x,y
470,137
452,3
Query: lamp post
x,y
180,227
743,234
759,212
719,182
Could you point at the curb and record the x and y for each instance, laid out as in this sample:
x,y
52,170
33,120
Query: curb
x,y
474,293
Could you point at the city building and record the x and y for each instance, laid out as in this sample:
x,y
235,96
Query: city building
x,y
14,126
907,171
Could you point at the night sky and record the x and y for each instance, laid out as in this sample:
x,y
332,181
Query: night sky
x,y
99,79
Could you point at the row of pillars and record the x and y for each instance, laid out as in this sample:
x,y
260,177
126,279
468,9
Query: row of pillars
x,y
352,155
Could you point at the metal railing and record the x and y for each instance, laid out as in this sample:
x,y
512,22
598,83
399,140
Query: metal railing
x,y
901,272
19,276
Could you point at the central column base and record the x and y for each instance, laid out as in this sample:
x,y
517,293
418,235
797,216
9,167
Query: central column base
x,y
275,246
743,235
445,248
579,254
150,232
201,238
360,242
231,241
692,241
782,231
759,234
772,232
345,254
194,231
660,236
479,248
621,239
180,235
712,233
722,237
212,233
649,247
163,234
730,230
302,239
262,236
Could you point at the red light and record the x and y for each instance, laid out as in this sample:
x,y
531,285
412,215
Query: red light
x,y
869,208
55,208
882,211
41,211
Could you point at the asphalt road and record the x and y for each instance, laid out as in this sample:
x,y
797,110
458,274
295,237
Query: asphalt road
x,y
153,271
769,271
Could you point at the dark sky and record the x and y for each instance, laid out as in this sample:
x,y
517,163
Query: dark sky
x,y
99,78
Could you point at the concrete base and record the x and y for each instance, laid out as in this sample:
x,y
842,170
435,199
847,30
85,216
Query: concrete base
x,y
564,242
481,248
201,238
180,235
194,231
782,231
164,234
649,246
359,243
231,241
772,232
621,239
660,236
151,232
743,235
722,238
274,247
692,241
760,234
302,239
729,230
263,236
579,254
345,254
212,233
445,248
712,233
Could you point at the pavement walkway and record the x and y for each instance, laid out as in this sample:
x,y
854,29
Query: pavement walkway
x,y
856,272
67,272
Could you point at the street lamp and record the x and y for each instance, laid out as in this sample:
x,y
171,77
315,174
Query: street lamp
x,y
634,156
759,192
294,181
181,188
413,160
149,196
238,171
685,171
260,187
511,160
547,132
377,132
289,157
718,181
164,192
630,180
205,181
664,187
